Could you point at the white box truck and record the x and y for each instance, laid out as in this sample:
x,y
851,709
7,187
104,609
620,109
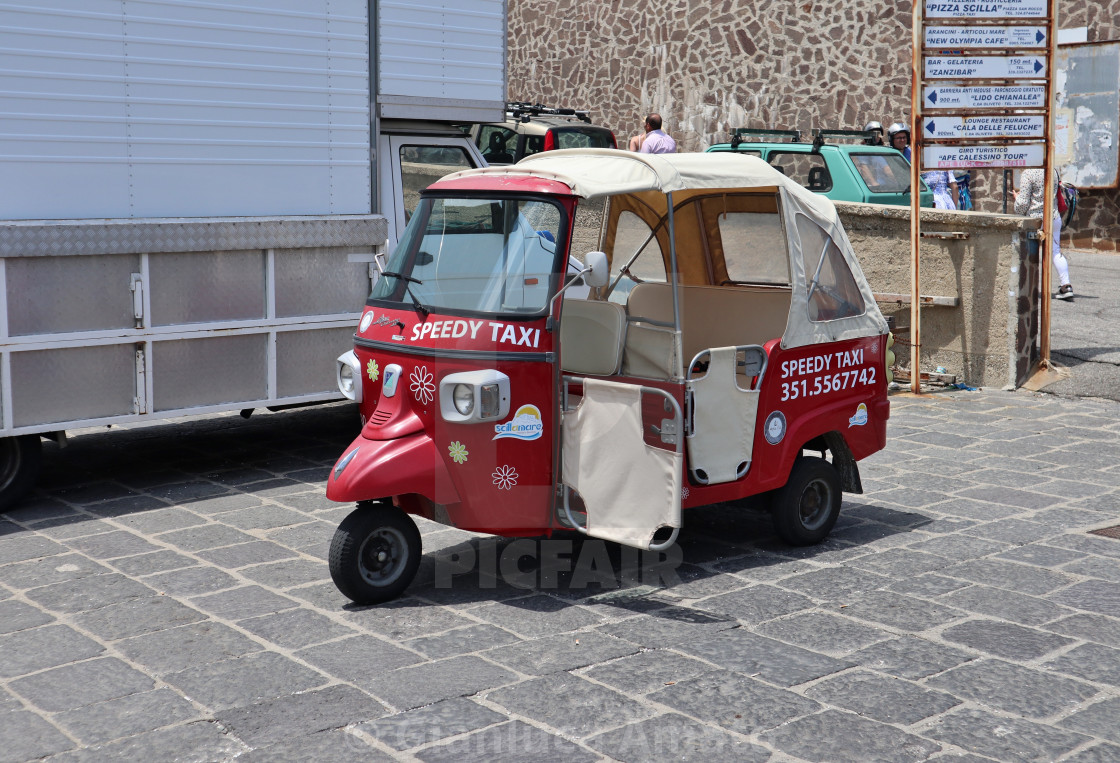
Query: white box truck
x,y
193,195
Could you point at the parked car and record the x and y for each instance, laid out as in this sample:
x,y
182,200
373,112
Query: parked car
x,y
532,128
841,171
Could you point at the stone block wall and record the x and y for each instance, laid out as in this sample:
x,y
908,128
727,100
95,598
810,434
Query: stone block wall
x,y
709,66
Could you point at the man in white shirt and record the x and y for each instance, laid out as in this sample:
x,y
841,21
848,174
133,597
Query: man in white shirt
x,y
656,140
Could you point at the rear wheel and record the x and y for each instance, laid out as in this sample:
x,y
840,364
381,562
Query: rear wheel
x,y
20,460
375,553
807,507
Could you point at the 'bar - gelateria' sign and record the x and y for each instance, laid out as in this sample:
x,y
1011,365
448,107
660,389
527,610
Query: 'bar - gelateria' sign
x,y
984,67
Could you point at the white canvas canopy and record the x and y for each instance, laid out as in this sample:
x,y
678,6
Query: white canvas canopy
x,y
593,173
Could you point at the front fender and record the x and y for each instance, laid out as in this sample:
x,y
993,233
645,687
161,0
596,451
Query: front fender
x,y
385,468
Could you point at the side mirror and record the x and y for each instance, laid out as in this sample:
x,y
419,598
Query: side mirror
x,y
597,271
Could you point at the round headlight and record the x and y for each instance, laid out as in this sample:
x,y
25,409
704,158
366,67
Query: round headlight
x,y
346,379
463,397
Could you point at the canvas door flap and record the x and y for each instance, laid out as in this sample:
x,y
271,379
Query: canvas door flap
x,y
629,489
724,419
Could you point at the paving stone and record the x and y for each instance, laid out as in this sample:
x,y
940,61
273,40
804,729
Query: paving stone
x,y
128,715
205,537
192,581
756,604
22,546
834,736
431,724
301,537
959,547
910,657
1100,720
81,683
1096,628
647,671
17,616
296,628
900,563
268,722
575,707
428,682
26,651
836,584
26,736
359,659
200,741
75,525
336,746
1088,544
112,545
969,509
88,593
734,701
537,616
1006,605
1091,662
822,632
114,505
245,680
1064,518
149,564
405,619
1002,738
1013,688
137,616
222,503
263,518
1095,567
53,569
1040,555
929,585
667,626
514,742
890,700
1101,753
244,602
674,737
903,612
187,646
1097,596
34,508
752,654
289,573
553,654
1012,642
161,520
244,554
474,638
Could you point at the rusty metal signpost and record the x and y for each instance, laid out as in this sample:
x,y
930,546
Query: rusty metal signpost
x,y
982,92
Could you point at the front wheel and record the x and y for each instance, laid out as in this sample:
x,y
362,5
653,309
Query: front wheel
x,y
375,553
21,458
806,508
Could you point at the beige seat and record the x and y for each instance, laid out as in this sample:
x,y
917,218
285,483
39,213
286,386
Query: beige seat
x,y
711,316
591,337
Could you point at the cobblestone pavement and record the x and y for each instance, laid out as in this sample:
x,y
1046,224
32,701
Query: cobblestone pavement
x,y
165,597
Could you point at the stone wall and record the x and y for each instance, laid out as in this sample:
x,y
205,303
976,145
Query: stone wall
x,y
709,66
990,337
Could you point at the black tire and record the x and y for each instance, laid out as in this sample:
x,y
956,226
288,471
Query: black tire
x,y
21,459
375,553
806,508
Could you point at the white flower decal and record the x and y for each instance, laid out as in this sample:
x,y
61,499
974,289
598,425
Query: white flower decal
x,y
458,452
505,477
423,388
684,493
371,370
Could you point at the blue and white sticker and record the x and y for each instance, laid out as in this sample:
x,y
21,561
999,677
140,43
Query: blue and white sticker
x,y
389,378
526,424
860,417
775,427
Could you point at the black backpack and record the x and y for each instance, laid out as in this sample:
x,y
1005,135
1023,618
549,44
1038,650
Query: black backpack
x,y
1067,201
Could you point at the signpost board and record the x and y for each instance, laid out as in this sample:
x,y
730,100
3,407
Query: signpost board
x,y
982,92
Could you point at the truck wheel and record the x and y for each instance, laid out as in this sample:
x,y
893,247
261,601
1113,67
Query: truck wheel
x,y
806,508
20,460
375,553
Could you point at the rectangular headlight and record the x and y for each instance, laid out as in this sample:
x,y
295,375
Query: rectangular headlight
x,y
474,396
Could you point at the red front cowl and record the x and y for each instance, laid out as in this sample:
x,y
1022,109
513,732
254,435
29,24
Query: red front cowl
x,y
385,468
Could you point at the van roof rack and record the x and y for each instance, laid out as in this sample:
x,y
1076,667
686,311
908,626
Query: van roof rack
x,y
525,111
739,135
866,136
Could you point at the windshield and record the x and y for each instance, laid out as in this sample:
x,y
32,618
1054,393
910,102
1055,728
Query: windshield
x,y
475,255
883,173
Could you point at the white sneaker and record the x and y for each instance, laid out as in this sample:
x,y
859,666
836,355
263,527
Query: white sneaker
x,y
1066,292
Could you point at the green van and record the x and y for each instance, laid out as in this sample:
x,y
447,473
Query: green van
x,y
840,171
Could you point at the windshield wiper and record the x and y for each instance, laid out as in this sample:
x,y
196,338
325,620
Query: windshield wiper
x,y
407,279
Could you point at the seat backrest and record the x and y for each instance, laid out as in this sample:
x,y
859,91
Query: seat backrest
x,y
591,337
818,178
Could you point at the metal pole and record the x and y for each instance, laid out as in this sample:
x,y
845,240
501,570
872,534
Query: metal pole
x,y
915,199
1045,246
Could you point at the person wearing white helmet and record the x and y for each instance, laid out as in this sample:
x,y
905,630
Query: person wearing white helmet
x,y
877,138
898,135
